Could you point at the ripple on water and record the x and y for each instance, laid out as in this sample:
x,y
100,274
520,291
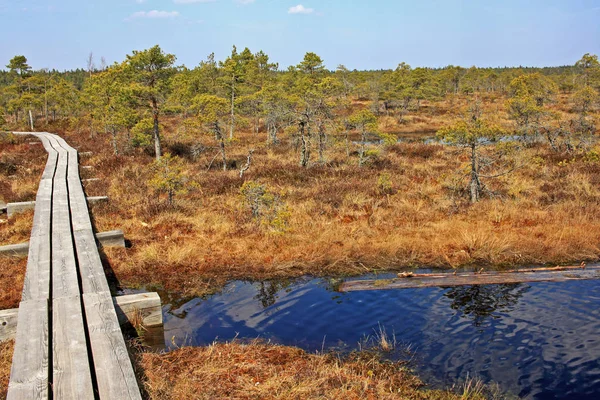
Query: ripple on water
x,y
535,340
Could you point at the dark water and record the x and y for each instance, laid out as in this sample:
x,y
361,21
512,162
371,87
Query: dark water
x,y
539,341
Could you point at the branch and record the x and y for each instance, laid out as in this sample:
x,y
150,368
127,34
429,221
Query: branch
x,y
246,167
213,160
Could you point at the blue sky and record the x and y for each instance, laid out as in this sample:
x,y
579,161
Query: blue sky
x,y
362,34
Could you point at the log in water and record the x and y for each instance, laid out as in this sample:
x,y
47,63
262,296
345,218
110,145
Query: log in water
x,y
409,280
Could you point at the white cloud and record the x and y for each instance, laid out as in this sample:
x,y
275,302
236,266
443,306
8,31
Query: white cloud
x,y
300,9
192,1
153,14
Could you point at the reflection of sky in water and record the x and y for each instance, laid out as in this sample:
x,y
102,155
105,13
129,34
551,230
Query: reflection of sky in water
x,y
536,340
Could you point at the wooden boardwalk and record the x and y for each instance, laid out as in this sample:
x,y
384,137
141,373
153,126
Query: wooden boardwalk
x,y
69,343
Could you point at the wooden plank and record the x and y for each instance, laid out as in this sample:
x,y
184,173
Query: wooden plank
x,y
73,170
43,207
114,238
52,157
114,371
71,370
93,278
79,206
64,269
97,199
15,208
143,311
146,306
15,250
8,324
29,371
489,278
111,238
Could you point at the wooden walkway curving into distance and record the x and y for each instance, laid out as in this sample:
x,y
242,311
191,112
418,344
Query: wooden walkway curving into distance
x,y
69,343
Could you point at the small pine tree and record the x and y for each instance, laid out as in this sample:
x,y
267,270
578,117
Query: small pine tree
x,y
169,176
266,206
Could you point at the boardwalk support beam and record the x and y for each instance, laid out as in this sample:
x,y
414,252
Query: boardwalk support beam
x,y
15,208
142,312
104,239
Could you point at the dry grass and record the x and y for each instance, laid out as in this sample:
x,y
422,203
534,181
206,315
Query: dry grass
x,y
262,371
6,352
340,222
12,275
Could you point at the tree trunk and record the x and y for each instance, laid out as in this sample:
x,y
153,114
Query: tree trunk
x,y
114,141
322,137
361,151
45,103
156,133
272,129
231,128
31,120
475,186
347,143
305,147
221,140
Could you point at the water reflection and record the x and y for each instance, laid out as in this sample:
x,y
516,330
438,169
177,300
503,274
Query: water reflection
x,y
538,340
479,302
267,291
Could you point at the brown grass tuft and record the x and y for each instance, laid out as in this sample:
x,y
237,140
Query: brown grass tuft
x,y
264,371
6,352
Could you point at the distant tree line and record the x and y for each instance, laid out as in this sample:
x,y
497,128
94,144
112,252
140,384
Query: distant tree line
x,y
307,101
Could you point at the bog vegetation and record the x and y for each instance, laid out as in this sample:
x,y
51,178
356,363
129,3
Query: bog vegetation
x,y
240,169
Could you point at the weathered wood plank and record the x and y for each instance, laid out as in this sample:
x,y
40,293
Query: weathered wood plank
x,y
488,278
79,206
143,309
71,370
64,269
8,324
19,249
111,238
97,199
114,238
16,208
61,232
93,278
114,372
133,310
29,371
